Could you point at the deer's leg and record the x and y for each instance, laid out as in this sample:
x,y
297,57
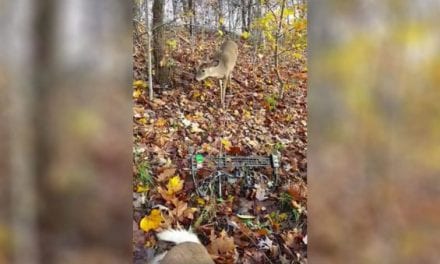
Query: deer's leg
x,y
227,80
221,91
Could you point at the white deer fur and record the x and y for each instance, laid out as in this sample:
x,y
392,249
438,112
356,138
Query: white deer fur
x,y
188,249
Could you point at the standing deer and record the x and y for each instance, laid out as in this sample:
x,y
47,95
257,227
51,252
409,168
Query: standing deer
x,y
227,57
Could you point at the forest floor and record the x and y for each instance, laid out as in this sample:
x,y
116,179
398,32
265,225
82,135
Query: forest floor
x,y
252,225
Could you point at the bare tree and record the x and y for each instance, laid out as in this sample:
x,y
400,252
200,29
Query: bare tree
x,y
249,14
220,17
190,14
276,54
229,15
175,3
243,16
162,72
150,78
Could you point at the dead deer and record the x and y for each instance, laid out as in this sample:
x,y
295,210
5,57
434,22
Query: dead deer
x,y
188,249
227,57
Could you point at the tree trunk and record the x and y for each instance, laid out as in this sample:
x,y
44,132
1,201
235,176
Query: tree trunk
x,y
219,14
276,55
258,14
175,3
150,78
229,16
243,16
190,14
257,34
185,5
249,15
44,86
162,72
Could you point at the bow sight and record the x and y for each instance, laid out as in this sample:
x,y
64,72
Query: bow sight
x,y
242,168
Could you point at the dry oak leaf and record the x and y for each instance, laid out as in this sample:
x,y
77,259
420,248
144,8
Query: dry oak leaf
x,y
222,244
166,174
165,195
182,211
151,221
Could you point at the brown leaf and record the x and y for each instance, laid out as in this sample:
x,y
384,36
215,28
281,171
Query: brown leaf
x,y
180,208
166,174
222,244
165,195
297,191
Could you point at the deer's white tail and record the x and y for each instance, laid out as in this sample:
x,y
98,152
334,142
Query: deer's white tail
x,y
178,236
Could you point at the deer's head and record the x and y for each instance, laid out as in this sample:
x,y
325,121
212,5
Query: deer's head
x,y
212,69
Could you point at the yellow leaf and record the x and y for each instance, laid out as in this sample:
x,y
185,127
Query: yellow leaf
x,y
174,185
140,84
245,35
200,201
152,221
172,43
221,21
208,83
247,114
282,216
297,55
142,120
141,188
220,32
161,122
137,93
226,143
206,148
196,94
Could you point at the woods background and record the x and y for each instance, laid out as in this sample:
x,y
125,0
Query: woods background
x,y
374,141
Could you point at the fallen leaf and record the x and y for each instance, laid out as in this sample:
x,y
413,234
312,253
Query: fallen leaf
x,y
265,243
166,174
161,122
152,221
241,216
174,185
200,201
222,244
195,128
260,192
140,84
181,206
226,143
164,194
140,188
137,93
